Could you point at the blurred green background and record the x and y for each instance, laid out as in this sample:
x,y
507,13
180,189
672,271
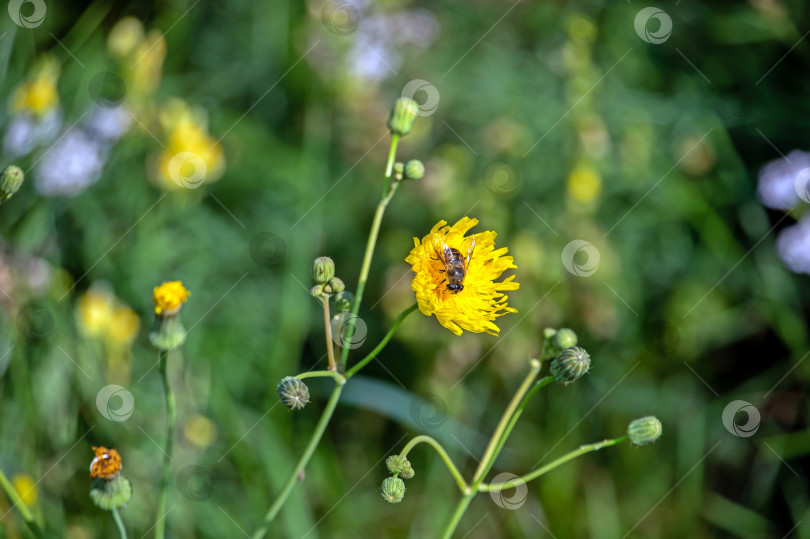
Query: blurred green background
x,y
553,122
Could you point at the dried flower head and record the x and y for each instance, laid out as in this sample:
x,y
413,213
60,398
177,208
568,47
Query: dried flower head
x,y
106,464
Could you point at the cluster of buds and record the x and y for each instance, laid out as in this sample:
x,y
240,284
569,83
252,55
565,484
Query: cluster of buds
x,y
570,361
392,489
412,170
326,284
110,490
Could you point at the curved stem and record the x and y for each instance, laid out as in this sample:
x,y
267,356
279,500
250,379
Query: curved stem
x,y
339,378
483,487
317,434
388,191
119,523
462,485
160,524
371,355
327,324
543,382
495,443
17,502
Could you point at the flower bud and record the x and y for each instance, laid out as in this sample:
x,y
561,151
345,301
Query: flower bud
x,y
397,464
402,116
407,473
167,332
323,269
334,286
564,338
399,171
109,494
644,430
550,350
294,393
11,179
343,301
414,170
392,489
318,292
570,365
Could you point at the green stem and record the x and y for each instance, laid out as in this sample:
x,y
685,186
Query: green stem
x,y
457,514
388,191
160,525
371,355
339,378
462,485
327,323
495,443
483,487
320,428
119,523
17,502
543,382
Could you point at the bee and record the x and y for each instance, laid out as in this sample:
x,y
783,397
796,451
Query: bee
x,y
455,266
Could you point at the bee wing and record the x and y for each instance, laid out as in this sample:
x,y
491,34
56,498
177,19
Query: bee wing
x,y
470,252
441,248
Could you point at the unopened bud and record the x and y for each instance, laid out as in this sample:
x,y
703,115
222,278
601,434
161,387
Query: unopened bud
x,y
392,489
414,170
334,286
323,269
294,393
397,464
11,179
564,338
570,365
343,301
644,430
403,115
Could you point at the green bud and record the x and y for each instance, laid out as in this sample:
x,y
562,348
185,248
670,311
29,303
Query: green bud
x,y
392,489
564,338
407,473
399,171
323,269
109,494
167,332
570,365
644,430
294,393
343,301
11,179
334,286
414,170
397,464
550,350
402,116
319,292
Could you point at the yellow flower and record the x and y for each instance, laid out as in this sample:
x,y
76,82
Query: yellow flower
x,y
123,326
38,95
481,300
26,488
94,311
169,296
191,156
584,184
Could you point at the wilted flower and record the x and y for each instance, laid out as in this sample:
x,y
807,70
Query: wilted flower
x,y
481,299
110,490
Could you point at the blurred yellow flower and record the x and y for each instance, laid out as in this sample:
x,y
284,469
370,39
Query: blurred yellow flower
x,y
26,488
191,156
584,184
124,325
200,431
146,64
480,300
169,297
38,95
124,37
95,311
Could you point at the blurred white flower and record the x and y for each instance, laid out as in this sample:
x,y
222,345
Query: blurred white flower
x,y
777,187
26,132
71,165
793,245
109,123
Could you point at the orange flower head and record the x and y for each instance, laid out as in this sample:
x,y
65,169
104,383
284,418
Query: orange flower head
x,y
169,296
106,464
